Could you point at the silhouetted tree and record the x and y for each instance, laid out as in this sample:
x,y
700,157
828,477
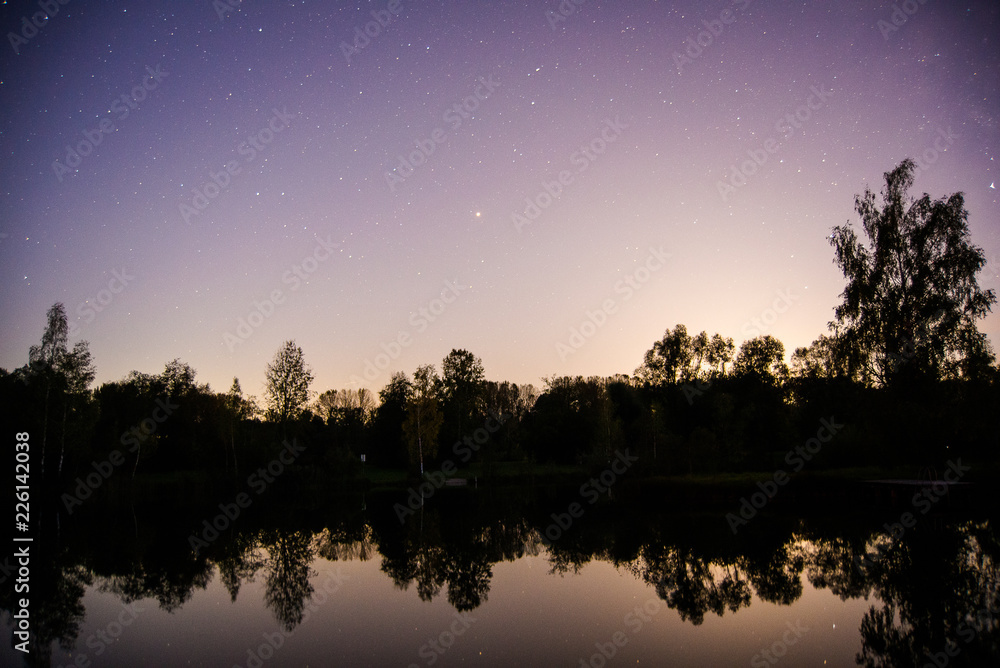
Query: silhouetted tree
x,y
387,423
762,358
679,357
178,378
44,361
461,389
348,417
287,383
720,353
823,358
560,427
499,400
669,358
912,300
78,372
597,401
239,410
59,379
423,416
326,404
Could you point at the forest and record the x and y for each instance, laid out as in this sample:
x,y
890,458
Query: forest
x,y
903,369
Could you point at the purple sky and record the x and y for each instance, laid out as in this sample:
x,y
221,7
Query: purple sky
x,y
310,204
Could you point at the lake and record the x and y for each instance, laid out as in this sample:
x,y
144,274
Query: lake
x,y
509,577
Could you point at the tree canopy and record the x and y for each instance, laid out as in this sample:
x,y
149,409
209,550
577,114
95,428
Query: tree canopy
x,y
912,300
423,416
287,383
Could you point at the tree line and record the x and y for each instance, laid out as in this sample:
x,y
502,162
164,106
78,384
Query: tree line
x,y
903,366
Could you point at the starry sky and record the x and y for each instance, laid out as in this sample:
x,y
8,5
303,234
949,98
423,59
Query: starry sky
x,y
546,185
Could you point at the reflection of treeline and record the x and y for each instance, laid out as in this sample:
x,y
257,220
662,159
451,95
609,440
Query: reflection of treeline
x,y
933,587
903,366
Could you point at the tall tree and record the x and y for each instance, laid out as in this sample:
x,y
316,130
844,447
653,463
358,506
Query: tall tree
x,y
462,382
720,353
358,403
668,359
823,358
44,361
78,372
912,300
396,391
679,357
54,340
326,405
178,378
423,416
350,416
287,382
239,410
606,425
387,424
762,358
700,349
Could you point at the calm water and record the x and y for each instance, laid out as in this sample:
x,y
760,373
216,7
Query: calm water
x,y
468,580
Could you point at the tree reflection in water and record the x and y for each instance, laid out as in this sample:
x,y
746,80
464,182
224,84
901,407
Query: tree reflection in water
x,y
939,591
286,585
935,586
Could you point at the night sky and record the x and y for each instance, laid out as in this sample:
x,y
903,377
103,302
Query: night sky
x,y
202,182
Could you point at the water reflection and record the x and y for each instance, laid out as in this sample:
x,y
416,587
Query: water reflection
x,y
287,574
934,591
939,594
